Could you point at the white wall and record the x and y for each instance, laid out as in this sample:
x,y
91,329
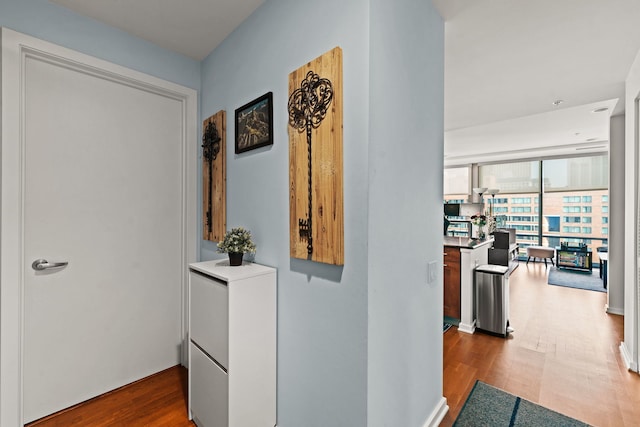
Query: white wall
x,y
615,302
629,346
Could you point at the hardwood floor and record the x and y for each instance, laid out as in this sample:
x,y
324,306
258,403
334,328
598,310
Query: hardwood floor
x,y
159,400
563,355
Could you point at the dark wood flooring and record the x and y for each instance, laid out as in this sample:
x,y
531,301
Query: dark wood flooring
x,y
564,355
159,400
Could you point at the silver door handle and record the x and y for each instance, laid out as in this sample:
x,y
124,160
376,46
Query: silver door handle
x,y
43,264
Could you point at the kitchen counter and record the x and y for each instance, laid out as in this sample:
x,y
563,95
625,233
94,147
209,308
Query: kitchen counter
x,y
465,242
473,252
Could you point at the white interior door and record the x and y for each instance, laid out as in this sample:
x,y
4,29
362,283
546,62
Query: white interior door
x,y
102,188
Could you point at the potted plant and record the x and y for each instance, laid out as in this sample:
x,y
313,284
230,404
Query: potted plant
x,y
236,243
479,220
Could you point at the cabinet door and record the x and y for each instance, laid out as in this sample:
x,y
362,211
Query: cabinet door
x,y
210,316
451,275
209,391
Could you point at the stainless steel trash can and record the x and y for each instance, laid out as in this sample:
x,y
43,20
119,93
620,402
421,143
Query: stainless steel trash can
x,y
492,298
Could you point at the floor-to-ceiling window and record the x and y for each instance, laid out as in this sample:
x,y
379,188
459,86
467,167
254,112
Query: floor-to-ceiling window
x,y
547,201
576,200
517,204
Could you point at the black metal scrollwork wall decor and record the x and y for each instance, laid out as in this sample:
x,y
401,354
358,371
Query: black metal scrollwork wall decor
x,y
210,149
308,106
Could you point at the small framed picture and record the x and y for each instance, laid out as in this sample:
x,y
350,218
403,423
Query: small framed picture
x,y
254,124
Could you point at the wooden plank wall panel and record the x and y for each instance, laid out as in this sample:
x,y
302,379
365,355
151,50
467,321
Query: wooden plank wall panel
x,y
218,193
327,170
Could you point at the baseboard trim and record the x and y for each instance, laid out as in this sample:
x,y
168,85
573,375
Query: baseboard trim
x,y
438,414
627,359
469,329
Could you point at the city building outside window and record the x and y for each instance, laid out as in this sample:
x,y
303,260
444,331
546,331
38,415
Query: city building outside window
x,y
571,209
568,188
571,199
566,229
570,219
573,191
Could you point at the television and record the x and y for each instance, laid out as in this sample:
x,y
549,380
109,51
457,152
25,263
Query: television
x,y
452,209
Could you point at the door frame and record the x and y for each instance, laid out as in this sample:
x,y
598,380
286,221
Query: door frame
x,y
15,49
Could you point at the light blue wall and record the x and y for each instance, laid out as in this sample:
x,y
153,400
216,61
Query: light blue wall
x,y
53,23
405,218
322,309
345,336
360,344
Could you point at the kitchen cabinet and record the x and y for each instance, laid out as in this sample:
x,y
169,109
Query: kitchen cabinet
x,y
462,255
232,344
451,264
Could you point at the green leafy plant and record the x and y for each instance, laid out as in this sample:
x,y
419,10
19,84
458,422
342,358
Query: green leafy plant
x,y
238,240
479,220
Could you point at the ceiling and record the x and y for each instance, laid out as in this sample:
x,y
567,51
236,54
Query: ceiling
x,y
190,27
506,62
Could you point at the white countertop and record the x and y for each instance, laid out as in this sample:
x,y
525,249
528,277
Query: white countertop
x,y
465,242
220,269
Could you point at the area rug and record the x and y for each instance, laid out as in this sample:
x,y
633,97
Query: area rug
x,y
489,406
576,279
445,327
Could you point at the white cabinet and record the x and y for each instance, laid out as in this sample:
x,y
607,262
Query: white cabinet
x,y
232,348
